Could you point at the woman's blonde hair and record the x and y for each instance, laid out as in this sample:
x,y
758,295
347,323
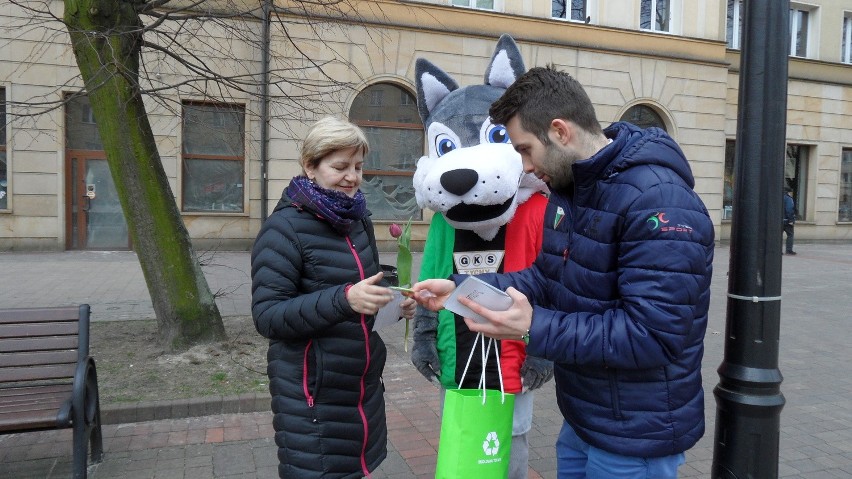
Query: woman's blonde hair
x,y
330,134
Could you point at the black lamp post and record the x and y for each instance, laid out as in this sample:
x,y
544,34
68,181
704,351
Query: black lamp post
x,y
748,396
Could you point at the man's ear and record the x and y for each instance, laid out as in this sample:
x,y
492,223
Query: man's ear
x,y
562,131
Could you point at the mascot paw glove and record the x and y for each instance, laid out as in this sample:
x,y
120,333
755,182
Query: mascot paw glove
x,y
535,372
424,353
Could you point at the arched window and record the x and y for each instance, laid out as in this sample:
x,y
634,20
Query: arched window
x,y
388,115
643,116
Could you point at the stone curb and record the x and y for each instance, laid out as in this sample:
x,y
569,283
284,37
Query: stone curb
x,y
184,408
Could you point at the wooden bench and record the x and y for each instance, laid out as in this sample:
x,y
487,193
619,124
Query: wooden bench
x,y
47,378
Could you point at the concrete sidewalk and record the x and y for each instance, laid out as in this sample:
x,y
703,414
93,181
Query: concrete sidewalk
x,y
816,423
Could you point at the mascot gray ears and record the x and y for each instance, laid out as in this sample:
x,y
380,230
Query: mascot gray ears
x,y
433,84
472,174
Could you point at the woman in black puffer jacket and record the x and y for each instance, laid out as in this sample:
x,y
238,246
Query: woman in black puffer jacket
x,y
316,284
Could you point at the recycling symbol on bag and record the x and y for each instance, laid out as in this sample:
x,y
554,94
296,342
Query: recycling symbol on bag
x,y
491,444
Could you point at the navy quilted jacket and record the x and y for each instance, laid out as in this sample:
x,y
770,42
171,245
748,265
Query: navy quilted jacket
x,y
620,293
324,360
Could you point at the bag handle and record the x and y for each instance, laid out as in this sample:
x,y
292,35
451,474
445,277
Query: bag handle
x,y
484,354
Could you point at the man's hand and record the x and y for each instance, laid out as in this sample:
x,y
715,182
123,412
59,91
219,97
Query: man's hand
x,y
366,296
432,293
408,306
512,323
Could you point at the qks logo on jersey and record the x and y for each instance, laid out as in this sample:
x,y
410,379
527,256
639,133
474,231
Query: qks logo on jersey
x,y
658,222
478,262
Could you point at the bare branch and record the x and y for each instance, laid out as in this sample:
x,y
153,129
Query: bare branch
x,y
211,49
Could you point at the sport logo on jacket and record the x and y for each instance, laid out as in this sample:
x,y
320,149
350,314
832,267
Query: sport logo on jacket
x,y
658,221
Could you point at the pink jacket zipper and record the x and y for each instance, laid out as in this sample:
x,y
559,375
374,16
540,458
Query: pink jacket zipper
x,y
366,367
307,392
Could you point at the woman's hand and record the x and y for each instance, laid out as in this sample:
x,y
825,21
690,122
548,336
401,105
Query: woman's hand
x,y
366,296
409,306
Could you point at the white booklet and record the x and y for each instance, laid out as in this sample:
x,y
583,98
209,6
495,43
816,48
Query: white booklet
x,y
390,313
481,292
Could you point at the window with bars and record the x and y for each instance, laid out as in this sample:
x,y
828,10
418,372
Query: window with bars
x,y
396,138
213,157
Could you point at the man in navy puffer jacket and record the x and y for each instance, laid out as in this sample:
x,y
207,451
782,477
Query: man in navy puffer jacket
x,y
619,294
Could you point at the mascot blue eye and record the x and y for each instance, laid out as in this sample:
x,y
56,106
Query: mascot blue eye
x,y
444,145
497,134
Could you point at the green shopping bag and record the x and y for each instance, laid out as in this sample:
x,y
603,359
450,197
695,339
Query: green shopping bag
x,y
476,431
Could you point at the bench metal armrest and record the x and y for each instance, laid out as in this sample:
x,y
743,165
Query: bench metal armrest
x,y
84,398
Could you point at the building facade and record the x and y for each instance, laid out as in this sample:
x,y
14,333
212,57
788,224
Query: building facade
x,y
667,63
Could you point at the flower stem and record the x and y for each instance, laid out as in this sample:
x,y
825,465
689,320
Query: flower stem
x,y
405,338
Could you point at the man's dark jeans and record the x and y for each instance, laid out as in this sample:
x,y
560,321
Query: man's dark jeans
x,y
788,230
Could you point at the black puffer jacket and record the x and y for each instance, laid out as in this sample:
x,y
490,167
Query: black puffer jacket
x,y
325,362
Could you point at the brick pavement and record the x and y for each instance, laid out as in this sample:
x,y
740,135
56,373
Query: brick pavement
x,y
816,423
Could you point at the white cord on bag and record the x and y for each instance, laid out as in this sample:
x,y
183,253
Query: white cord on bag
x,y
469,357
484,355
499,373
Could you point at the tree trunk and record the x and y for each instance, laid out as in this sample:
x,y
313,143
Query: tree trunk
x,y
106,36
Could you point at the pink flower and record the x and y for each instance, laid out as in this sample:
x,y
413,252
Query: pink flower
x,y
395,230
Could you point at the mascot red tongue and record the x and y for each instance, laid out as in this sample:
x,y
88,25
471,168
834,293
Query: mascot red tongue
x,y
488,218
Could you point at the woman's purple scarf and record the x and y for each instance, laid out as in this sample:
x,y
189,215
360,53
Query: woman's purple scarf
x,y
334,206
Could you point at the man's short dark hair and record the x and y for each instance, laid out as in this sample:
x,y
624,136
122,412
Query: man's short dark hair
x,y
541,95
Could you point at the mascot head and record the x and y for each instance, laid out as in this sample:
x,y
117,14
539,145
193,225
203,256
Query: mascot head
x,y
472,175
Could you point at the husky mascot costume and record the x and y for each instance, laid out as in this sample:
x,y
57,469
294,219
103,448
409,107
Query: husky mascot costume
x,y
488,218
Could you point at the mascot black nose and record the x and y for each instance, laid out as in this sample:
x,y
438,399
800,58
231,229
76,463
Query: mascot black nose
x,y
459,182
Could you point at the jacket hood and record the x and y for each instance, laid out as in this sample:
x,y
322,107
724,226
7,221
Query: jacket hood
x,y
633,144
284,202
